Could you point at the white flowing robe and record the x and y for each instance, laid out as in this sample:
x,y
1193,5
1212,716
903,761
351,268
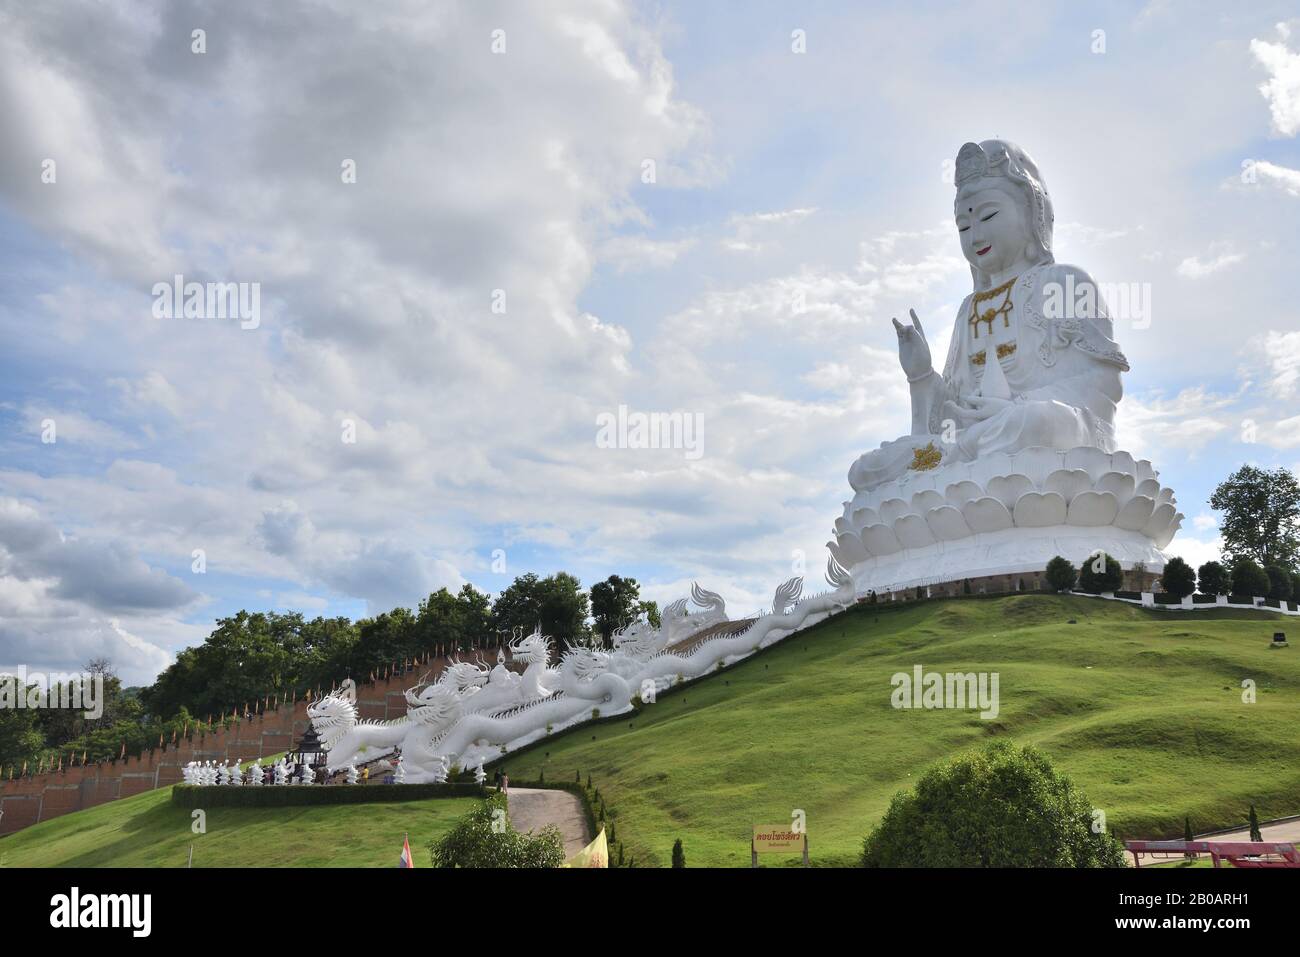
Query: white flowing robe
x,y
1063,369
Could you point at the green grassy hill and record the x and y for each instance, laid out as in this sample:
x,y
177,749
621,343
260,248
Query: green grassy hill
x,y
1142,708
147,831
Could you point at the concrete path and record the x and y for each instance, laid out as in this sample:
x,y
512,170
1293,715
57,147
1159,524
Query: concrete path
x,y
1285,831
531,809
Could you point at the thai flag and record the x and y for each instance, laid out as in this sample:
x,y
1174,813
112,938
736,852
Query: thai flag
x,y
405,860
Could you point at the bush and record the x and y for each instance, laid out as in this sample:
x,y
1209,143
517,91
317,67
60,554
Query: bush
x,y
1000,807
485,838
1061,575
1249,579
1099,572
1213,579
191,796
679,855
1279,582
1178,579
1295,587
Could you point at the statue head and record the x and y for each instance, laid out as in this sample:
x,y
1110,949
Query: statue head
x,y
1003,212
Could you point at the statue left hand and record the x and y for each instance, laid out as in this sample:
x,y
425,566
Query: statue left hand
x,y
976,408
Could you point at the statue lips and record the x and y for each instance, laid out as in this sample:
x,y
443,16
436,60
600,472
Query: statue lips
x,y
981,252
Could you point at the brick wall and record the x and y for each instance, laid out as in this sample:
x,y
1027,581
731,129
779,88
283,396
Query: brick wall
x,y
28,800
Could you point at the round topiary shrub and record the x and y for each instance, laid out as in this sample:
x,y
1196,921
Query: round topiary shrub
x,y
1178,580
1213,579
1249,579
1061,575
1100,573
1000,807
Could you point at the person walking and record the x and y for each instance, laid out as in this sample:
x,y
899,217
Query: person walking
x,y
505,784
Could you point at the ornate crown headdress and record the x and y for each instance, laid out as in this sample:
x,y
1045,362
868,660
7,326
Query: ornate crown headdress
x,y
999,159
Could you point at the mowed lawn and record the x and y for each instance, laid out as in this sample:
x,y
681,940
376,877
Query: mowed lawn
x,y
1142,708
147,831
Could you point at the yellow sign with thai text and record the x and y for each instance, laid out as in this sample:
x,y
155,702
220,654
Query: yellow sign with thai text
x,y
777,839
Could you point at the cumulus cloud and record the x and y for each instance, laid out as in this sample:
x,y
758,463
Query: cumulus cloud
x,y
1282,89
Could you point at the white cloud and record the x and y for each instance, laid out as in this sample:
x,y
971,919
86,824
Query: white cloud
x,y
1282,89
1193,268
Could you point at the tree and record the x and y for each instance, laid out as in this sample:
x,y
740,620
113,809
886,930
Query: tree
x,y
1249,579
679,855
1188,837
556,603
1100,573
485,838
1279,581
650,609
1061,575
1255,835
1261,515
999,807
1178,579
614,604
1295,587
1214,579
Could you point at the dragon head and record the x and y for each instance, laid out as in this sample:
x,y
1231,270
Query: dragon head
x,y
534,649
436,703
583,662
332,712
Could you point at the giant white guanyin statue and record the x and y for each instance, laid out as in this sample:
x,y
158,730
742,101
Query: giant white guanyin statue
x,y
1011,457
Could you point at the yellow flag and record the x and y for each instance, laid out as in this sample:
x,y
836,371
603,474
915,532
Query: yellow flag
x,y
595,854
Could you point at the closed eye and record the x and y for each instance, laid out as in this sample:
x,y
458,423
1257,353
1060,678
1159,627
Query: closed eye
x,y
985,219
962,229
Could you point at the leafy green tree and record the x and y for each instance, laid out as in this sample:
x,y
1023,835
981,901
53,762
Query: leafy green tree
x,y
461,621
649,609
1061,575
1295,587
21,737
679,854
1100,573
1279,581
1213,579
614,604
1261,515
1188,837
1249,579
485,838
556,602
1000,807
1255,834
1178,579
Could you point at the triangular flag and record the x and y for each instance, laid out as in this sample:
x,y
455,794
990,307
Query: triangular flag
x,y
405,860
595,854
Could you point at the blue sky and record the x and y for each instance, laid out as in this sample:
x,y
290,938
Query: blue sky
x,y
778,176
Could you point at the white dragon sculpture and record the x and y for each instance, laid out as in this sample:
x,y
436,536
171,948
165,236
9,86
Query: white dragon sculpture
x,y
471,714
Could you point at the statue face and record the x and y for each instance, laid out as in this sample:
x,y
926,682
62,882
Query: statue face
x,y
992,227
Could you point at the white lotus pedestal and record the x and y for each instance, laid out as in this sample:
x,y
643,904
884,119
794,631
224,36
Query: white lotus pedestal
x,y
1005,515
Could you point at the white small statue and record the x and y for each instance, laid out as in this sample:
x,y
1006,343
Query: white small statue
x,y
255,773
221,775
281,772
353,774
235,777
399,776
480,776
440,770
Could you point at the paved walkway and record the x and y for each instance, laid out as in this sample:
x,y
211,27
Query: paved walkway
x,y
531,809
1281,833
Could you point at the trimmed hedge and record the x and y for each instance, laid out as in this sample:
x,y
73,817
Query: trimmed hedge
x,y
1164,598
1129,595
291,795
1199,599
1241,600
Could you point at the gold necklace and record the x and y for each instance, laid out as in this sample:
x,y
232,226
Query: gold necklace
x,y
1004,310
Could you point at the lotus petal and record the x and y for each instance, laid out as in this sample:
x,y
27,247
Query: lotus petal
x,y
947,523
1068,483
1092,509
959,493
1008,489
851,547
1166,495
1168,536
1144,470
1118,484
1149,487
893,509
1123,462
1040,511
841,526
881,540
1161,518
1135,513
925,500
912,532
1038,463
862,517
1093,461
987,515
984,469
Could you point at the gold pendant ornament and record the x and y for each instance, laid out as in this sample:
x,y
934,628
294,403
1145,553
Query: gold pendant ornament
x,y
988,315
